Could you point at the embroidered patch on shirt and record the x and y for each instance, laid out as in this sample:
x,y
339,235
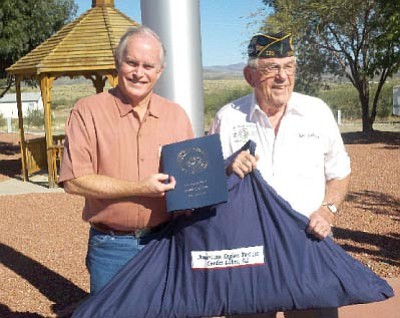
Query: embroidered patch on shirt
x,y
242,133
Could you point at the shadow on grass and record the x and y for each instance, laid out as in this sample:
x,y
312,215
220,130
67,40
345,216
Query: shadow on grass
x,y
5,312
385,137
386,246
10,162
9,149
53,286
376,202
11,168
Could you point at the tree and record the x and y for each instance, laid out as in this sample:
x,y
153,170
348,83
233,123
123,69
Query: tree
x,y
24,24
358,39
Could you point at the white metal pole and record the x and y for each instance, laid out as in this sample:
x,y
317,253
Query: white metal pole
x,y
177,22
339,117
9,125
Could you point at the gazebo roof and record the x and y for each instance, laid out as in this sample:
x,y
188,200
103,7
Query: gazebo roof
x,y
83,46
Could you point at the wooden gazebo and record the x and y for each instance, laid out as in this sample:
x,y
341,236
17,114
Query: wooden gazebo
x,y
84,47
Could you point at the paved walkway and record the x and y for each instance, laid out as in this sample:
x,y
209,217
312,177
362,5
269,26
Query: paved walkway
x,y
15,186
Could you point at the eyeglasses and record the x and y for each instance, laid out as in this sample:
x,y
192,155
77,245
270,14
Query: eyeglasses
x,y
274,69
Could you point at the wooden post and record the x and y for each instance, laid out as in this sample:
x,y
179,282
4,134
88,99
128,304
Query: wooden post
x,y
98,82
113,79
22,142
99,3
46,84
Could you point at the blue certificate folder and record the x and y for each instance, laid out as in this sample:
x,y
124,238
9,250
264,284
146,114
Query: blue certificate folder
x,y
198,167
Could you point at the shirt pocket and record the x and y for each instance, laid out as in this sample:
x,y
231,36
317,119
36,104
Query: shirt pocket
x,y
306,155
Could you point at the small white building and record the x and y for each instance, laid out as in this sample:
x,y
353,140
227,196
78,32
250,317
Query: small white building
x,y
396,100
30,101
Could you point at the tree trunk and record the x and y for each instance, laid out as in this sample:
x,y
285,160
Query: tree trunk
x,y
367,125
363,93
367,121
9,83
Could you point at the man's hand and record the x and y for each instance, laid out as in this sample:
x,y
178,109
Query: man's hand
x,y
155,185
321,220
104,187
320,224
243,164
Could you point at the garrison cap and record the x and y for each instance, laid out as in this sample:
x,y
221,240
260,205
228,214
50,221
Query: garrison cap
x,y
271,45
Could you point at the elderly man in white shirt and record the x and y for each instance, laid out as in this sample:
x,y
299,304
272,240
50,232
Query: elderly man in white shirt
x,y
300,152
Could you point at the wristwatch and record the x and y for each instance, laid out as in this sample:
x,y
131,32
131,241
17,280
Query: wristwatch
x,y
331,207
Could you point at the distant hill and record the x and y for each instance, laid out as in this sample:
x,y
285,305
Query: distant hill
x,y
215,72
232,68
223,71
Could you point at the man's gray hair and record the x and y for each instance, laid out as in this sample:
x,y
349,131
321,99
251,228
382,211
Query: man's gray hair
x,y
252,62
133,31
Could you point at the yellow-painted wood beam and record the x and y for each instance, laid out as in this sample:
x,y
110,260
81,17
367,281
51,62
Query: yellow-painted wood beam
x,y
22,142
46,84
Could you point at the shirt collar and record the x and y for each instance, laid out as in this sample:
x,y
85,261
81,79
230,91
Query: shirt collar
x,y
292,107
124,107
254,108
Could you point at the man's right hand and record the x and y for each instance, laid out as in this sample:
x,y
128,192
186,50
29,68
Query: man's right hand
x,y
104,187
156,186
243,164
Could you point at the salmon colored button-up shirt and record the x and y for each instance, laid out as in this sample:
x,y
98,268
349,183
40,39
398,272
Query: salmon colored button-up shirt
x,y
104,136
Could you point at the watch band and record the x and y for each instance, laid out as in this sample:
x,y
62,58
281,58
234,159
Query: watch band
x,y
331,207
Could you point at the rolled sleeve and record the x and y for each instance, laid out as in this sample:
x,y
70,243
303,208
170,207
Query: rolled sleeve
x,y
77,159
337,160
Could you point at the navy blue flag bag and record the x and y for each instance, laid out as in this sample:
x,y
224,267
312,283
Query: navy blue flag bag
x,y
248,255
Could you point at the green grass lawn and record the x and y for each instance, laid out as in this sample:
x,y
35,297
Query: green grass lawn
x,y
217,92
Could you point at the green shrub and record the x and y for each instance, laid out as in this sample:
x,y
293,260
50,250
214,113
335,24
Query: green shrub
x,y
215,99
34,117
3,121
344,97
385,102
60,103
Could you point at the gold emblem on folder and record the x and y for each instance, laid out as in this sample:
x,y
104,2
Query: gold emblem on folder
x,y
192,160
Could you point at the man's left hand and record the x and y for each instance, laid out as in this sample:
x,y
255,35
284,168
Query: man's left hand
x,y
243,164
320,224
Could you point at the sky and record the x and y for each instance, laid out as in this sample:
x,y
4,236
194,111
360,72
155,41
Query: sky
x,y
225,29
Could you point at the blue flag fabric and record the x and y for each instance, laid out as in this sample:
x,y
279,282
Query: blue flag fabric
x,y
248,255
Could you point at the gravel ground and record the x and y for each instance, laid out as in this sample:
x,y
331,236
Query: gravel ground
x,y
43,239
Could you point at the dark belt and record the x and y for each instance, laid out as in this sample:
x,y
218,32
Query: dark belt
x,y
103,228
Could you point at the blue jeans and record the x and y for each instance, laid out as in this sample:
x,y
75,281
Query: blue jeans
x,y
108,253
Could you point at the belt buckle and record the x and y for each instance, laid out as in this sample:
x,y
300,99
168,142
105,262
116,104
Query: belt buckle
x,y
141,232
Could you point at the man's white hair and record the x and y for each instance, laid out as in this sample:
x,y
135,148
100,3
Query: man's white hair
x,y
133,31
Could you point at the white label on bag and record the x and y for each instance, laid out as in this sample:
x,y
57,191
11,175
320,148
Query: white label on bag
x,y
243,256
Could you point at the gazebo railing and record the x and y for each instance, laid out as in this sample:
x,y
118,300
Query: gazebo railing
x,y
36,154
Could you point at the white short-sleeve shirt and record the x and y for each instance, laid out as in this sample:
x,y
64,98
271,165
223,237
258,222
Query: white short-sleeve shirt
x,y
307,151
